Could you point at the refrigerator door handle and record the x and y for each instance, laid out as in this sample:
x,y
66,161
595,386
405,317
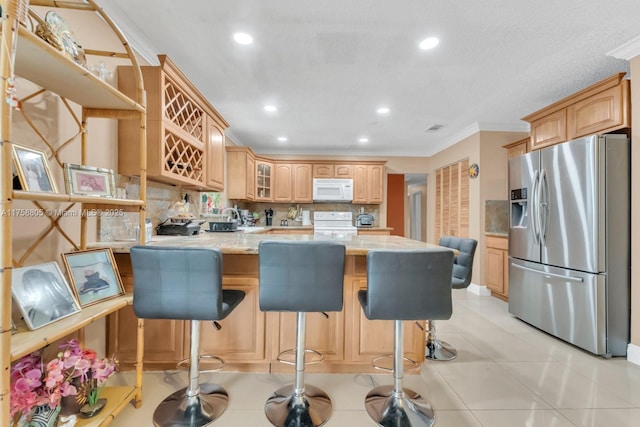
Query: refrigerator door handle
x,y
559,276
534,209
543,205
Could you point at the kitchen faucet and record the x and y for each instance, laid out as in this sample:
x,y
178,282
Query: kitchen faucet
x,y
238,217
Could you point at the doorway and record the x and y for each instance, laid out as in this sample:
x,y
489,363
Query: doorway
x,y
416,201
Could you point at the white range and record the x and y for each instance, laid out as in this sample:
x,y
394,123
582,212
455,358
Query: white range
x,y
334,224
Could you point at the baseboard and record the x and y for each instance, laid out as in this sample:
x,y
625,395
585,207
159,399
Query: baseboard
x,y
633,354
479,290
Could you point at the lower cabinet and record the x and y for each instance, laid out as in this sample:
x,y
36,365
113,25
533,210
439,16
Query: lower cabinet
x,y
497,268
251,340
374,231
373,338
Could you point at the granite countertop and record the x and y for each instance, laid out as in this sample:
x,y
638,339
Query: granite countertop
x,y
247,243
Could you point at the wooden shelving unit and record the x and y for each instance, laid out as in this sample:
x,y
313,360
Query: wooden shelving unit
x,y
27,56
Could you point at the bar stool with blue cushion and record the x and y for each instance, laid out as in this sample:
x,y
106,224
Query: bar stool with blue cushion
x,y
460,279
302,277
405,285
184,284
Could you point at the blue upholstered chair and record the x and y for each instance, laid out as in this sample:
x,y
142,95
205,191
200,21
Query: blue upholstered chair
x,y
405,285
460,279
300,277
184,284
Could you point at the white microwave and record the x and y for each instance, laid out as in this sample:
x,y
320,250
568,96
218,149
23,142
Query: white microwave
x,y
332,190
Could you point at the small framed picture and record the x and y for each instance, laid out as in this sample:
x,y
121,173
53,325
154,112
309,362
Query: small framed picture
x,y
42,294
33,170
89,181
93,275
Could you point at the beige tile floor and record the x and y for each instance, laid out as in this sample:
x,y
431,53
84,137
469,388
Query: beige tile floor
x,y
507,374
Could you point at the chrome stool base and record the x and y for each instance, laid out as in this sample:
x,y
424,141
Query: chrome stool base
x,y
440,350
406,409
286,409
178,409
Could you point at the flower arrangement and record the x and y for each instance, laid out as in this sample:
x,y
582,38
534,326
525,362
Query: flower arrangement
x,y
35,383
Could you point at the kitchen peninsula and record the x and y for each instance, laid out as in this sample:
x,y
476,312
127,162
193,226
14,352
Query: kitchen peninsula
x,y
250,340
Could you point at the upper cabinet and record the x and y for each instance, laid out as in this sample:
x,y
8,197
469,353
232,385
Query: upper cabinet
x,y
517,148
368,184
291,181
603,107
264,181
185,133
241,172
332,170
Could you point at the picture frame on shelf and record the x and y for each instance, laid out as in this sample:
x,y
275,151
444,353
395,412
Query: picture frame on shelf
x,y
94,275
33,169
89,181
42,294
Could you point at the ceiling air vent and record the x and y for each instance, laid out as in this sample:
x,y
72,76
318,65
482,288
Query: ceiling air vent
x,y
433,128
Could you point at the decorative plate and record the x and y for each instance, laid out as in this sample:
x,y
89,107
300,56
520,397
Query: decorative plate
x,y
474,170
60,28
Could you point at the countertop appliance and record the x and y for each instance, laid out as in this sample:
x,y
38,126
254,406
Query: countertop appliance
x,y
364,220
569,247
179,227
226,226
334,224
333,190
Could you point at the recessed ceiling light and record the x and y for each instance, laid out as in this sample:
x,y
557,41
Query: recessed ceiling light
x,y
429,43
270,108
363,140
243,38
283,139
383,110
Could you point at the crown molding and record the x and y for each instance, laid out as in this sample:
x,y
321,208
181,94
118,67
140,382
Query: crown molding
x,y
475,128
140,44
627,51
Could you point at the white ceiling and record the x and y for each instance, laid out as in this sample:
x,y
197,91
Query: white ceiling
x,y
329,64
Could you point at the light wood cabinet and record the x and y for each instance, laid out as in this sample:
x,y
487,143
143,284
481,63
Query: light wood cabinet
x,y
372,338
333,170
598,113
250,340
600,108
242,336
241,169
291,231
180,147
452,200
497,266
517,148
548,130
292,183
373,232
368,184
214,147
283,188
302,182
264,181
283,181
323,333
322,170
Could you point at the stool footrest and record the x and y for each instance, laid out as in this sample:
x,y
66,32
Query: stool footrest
x,y
183,365
318,359
375,363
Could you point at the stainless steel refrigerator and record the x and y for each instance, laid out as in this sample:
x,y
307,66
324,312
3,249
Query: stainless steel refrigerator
x,y
569,246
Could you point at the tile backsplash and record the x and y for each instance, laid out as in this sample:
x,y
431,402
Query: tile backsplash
x,y
496,216
160,197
